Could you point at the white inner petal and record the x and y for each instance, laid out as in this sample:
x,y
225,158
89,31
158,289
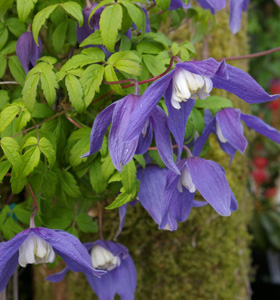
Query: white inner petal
x,y
186,180
35,250
219,133
188,85
104,259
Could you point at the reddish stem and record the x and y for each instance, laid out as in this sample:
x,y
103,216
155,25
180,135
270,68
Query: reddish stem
x,y
35,203
99,208
74,122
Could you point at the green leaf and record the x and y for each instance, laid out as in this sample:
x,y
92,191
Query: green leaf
x,y
7,115
10,48
110,22
58,37
11,149
129,67
125,43
4,34
17,69
91,80
15,26
30,160
107,167
49,183
29,91
163,4
42,111
102,3
122,55
17,183
75,92
150,47
86,224
22,213
128,176
24,8
4,96
69,184
98,183
4,168
153,64
110,75
197,119
213,102
40,19
23,119
141,160
93,39
4,6
134,13
10,228
3,65
48,149
121,199
74,10
49,85
47,59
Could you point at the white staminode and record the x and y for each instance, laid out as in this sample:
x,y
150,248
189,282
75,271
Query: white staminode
x,y
186,181
104,259
34,250
188,85
220,134
145,128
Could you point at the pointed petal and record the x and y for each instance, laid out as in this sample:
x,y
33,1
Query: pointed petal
x,y
229,121
148,101
261,127
122,152
230,150
36,51
9,257
100,125
200,142
177,118
211,182
162,137
199,203
69,248
58,276
145,142
236,7
233,203
213,5
152,183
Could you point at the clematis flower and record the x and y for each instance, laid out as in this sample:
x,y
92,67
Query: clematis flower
x,y
121,272
27,51
37,245
186,83
122,152
236,8
227,126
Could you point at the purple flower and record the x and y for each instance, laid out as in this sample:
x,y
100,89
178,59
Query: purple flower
x,y
227,126
119,113
27,51
236,8
121,272
37,245
188,82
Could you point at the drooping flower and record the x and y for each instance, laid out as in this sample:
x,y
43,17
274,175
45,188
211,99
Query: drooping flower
x,y
37,245
189,81
27,51
236,8
122,152
227,126
121,272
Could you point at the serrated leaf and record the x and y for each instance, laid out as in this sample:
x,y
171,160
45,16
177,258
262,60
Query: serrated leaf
x,y
42,111
91,80
102,3
3,65
69,184
22,213
93,39
9,48
4,168
86,224
24,7
48,149
4,96
75,92
153,64
107,167
7,115
129,67
16,69
149,47
10,228
128,176
3,37
115,177
75,10
110,75
4,6
11,149
30,160
98,183
122,55
47,59
49,182
121,199
49,86
15,26
213,102
23,118
40,19
79,148
58,37
110,22
163,4
29,91
134,13
17,183
141,160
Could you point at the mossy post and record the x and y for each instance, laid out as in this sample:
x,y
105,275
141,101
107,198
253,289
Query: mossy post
x,y
208,256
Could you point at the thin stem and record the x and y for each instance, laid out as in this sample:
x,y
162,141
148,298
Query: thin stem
x,y
89,4
248,56
15,285
136,92
9,82
99,208
32,224
174,147
74,122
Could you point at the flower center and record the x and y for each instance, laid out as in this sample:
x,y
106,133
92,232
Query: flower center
x,y
186,181
188,85
104,259
219,133
35,250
